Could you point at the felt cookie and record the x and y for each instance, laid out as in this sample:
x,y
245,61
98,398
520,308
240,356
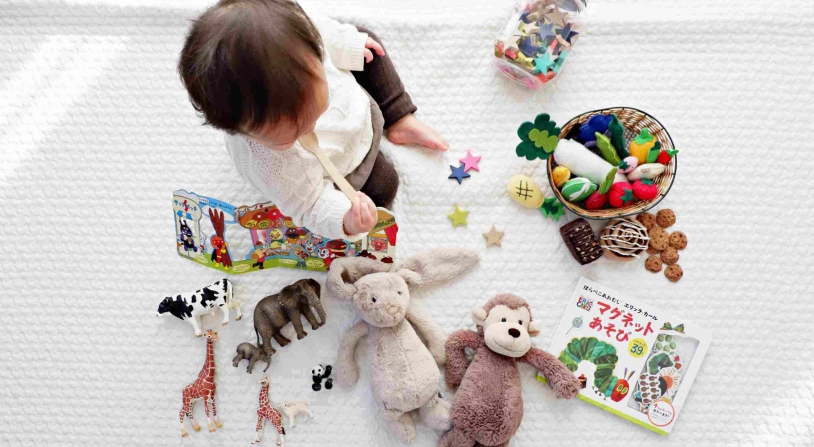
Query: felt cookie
x,y
665,218
647,219
669,256
653,264
659,239
673,272
678,240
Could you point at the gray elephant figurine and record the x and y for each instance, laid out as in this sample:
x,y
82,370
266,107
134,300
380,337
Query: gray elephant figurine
x,y
250,352
275,311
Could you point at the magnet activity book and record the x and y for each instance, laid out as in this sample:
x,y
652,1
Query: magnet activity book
x,y
634,361
242,239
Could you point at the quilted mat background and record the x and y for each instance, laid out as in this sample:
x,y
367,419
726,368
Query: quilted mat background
x,y
96,132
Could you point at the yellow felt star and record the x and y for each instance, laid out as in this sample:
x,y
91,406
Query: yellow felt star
x,y
493,237
458,217
527,61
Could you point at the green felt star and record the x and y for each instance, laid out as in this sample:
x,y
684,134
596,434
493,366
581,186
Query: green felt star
x,y
541,63
627,197
539,138
644,136
552,208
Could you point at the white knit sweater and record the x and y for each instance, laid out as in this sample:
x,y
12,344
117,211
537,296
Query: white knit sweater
x,y
294,179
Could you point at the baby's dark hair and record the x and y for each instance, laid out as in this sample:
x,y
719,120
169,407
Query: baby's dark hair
x,y
247,63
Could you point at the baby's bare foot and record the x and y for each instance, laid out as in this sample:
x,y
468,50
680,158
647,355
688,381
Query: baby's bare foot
x,y
409,130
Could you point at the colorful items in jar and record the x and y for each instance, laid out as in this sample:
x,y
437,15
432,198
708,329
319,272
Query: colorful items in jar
x,y
537,40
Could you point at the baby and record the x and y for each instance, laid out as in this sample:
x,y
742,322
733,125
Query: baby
x,y
266,73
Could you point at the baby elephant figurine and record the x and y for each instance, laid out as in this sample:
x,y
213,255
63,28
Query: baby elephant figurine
x,y
250,352
275,311
292,409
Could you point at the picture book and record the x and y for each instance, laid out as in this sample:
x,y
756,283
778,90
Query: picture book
x,y
242,239
633,360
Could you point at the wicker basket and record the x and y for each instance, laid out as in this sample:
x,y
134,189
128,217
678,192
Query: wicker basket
x,y
634,120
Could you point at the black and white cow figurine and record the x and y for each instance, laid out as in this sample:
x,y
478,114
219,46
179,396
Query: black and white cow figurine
x,y
190,306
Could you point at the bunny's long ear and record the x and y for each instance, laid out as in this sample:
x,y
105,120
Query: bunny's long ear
x,y
346,271
437,265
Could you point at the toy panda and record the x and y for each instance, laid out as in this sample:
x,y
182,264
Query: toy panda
x,y
320,373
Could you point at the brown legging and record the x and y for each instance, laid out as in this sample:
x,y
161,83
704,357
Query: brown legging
x,y
380,79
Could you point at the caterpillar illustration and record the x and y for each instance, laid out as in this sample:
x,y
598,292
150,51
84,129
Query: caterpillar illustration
x,y
603,356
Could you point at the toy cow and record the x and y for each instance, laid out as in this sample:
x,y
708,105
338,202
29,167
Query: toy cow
x,y
190,306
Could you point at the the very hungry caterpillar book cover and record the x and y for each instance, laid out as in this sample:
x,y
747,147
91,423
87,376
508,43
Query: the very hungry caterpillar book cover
x,y
633,360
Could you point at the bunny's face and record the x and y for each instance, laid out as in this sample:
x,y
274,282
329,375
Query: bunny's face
x,y
382,299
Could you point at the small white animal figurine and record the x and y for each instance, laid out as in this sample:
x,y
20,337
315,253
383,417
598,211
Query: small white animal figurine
x,y
292,409
266,412
190,306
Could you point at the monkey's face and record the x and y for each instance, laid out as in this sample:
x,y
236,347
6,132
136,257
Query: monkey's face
x,y
382,299
506,331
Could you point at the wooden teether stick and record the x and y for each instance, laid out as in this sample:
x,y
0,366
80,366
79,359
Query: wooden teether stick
x,y
311,143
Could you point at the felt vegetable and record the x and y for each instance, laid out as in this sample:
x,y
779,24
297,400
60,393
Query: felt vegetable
x,y
596,201
628,165
649,171
584,163
552,208
666,155
620,194
617,131
654,152
597,123
539,138
524,190
560,175
645,189
606,149
577,189
640,146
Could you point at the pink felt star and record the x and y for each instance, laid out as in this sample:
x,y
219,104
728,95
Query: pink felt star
x,y
470,162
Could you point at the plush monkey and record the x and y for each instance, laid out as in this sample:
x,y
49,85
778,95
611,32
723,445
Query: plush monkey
x,y
488,406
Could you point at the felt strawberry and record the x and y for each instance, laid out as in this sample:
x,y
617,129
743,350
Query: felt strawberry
x,y
596,201
620,194
666,155
645,189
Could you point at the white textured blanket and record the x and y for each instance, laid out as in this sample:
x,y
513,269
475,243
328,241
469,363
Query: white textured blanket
x,y
96,132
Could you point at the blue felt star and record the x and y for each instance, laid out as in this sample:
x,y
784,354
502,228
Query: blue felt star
x,y
541,64
529,45
458,173
547,29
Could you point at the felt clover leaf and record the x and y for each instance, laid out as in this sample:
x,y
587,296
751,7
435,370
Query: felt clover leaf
x,y
552,208
539,138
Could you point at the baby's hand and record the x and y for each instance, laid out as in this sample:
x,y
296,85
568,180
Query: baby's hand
x,y
362,215
372,45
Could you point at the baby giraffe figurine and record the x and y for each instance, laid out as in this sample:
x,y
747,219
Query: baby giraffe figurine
x,y
266,411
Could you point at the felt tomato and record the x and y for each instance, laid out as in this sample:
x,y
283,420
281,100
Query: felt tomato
x,y
596,201
620,194
645,189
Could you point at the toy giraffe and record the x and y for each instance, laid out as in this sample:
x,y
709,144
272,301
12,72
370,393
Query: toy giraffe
x,y
202,387
266,411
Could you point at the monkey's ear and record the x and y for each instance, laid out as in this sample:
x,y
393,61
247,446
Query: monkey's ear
x,y
534,329
479,315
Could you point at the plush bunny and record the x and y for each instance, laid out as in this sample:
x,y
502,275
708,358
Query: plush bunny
x,y
404,373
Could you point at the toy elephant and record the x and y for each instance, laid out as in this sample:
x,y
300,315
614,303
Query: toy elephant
x,y
275,311
250,352
404,375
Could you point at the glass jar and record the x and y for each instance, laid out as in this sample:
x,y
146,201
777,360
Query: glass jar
x,y
537,39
